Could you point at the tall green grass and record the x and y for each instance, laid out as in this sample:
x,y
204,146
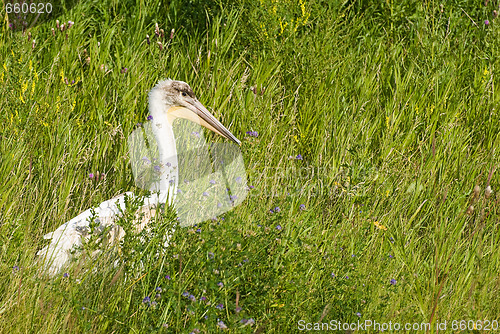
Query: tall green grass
x,y
393,108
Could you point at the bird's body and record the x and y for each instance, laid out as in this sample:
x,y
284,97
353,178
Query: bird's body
x,y
168,101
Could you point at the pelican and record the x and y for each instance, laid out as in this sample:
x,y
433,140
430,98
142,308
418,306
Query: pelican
x,y
168,100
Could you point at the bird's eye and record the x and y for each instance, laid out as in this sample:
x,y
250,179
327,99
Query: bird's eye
x,y
184,94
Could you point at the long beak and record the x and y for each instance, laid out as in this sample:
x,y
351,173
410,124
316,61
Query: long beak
x,y
197,113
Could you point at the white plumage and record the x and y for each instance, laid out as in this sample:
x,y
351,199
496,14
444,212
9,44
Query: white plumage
x,y
167,101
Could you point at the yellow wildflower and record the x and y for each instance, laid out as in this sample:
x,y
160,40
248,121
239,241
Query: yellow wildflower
x,y
380,226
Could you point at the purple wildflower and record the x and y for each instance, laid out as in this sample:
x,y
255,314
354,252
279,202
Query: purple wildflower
x,y
149,118
158,289
221,325
220,284
185,294
238,179
278,227
65,275
393,281
486,22
91,175
358,314
146,300
192,298
211,255
233,198
203,298
277,209
299,157
157,168
198,230
219,306
212,181
238,309
124,70
302,207
168,277
333,275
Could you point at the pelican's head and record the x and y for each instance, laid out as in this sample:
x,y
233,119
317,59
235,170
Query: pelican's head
x,y
177,100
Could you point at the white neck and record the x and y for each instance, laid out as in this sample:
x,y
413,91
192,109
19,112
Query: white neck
x,y
162,129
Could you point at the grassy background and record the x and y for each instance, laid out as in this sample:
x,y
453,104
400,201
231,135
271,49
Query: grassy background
x,y
393,107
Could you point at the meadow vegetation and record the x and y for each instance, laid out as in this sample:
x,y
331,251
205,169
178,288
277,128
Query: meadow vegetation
x,y
369,133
